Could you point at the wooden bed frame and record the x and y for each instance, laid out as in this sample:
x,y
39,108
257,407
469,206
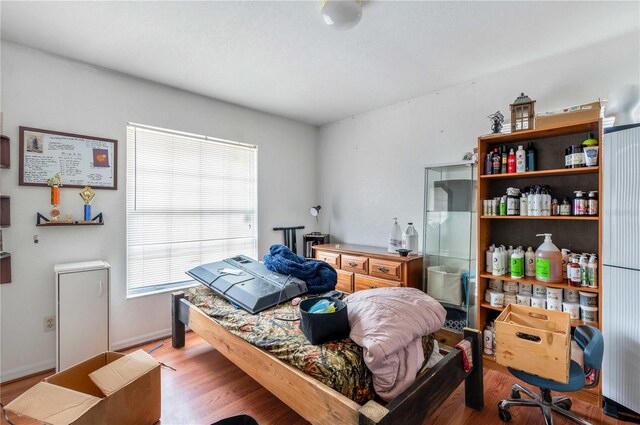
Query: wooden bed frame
x,y
320,404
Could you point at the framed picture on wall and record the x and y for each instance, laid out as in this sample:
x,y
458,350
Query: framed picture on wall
x,y
80,160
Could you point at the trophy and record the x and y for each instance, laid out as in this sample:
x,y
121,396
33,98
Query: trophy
x,y
87,194
55,182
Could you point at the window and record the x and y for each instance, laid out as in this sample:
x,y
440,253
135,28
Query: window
x,y
190,200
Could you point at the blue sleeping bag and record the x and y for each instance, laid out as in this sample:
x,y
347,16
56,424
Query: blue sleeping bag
x,y
319,276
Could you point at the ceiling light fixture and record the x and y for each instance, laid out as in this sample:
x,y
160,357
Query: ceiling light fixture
x,y
341,15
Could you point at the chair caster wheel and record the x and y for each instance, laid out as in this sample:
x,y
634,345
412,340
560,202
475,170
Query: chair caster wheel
x,y
505,416
515,394
566,405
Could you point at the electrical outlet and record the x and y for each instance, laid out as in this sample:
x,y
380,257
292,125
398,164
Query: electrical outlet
x,y
49,323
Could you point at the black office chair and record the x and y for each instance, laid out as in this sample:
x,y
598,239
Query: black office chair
x,y
590,340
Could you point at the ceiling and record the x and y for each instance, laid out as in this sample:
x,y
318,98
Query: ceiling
x,y
279,57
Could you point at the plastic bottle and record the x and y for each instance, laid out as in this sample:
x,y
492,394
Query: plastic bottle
x,y
517,264
523,202
488,164
574,275
565,261
508,262
489,259
548,261
592,266
578,203
546,201
592,203
503,205
496,161
410,238
521,160
504,160
503,260
584,273
488,339
511,162
530,262
590,149
530,201
496,262
565,207
537,202
531,157
555,208
395,237
513,201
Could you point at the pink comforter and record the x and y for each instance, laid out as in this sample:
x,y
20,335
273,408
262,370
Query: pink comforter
x,y
388,323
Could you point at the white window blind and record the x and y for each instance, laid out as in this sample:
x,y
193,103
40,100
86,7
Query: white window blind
x,y
190,200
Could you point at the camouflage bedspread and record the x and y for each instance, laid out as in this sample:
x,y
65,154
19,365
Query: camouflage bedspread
x,y
338,364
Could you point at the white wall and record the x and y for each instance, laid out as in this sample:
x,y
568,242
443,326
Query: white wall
x,y
371,167
39,90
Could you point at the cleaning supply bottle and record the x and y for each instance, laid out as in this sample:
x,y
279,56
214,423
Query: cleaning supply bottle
x,y
488,339
509,254
592,266
565,207
521,160
496,262
511,162
548,261
530,198
537,202
410,238
504,260
523,202
395,237
531,157
489,259
530,262
517,264
503,205
584,272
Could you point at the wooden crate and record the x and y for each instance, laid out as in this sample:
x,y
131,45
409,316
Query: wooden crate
x,y
535,341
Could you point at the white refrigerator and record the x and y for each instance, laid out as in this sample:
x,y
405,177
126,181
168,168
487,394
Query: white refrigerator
x,y
621,270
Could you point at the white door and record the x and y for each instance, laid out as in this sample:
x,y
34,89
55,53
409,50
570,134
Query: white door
x,y
83,313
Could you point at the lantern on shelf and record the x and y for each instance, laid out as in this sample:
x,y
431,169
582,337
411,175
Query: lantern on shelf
x,y
522,114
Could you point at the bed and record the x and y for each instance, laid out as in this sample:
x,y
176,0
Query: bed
x,y
308,396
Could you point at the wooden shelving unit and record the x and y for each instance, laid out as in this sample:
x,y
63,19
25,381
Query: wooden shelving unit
x,y
577,233
5,210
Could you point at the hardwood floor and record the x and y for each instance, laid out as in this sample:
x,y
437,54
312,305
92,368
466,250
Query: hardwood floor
x,y
206,387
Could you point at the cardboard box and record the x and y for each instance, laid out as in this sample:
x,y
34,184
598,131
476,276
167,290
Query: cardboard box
x,y
110,388
587,112
534,340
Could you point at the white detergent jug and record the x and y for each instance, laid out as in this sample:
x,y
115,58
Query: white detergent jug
x,y
410,239
395,237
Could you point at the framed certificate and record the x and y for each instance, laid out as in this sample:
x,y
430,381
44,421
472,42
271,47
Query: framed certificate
x,y
80,160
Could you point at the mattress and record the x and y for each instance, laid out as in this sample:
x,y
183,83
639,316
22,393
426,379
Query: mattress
x,y
337,364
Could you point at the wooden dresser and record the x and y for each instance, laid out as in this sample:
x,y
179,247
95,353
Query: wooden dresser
x,y
364,267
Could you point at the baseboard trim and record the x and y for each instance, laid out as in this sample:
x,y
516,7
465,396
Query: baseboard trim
x,y
36,368
141,339
25,371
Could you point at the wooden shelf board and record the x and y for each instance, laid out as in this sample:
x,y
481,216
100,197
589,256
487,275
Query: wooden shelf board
x,y
543,173
533,281
61,223
547,217
560,130
574,322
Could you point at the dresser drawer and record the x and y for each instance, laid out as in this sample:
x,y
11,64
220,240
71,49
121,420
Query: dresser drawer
x,y
368,282
385,269
351,263
329,257
345,281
